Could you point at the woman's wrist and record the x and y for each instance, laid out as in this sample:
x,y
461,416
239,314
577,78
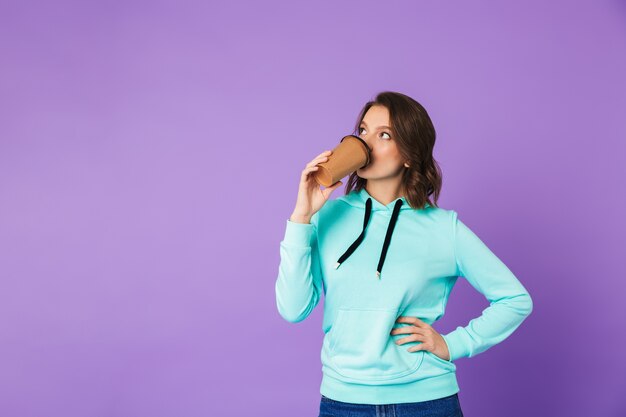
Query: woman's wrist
x,y
299,218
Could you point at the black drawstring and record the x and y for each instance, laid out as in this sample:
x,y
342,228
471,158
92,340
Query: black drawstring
x,y
392,224
357,242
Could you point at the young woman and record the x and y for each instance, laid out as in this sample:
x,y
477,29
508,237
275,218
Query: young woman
x,y
386,258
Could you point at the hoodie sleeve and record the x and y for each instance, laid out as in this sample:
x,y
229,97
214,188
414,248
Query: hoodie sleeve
x,y
509,301
299,281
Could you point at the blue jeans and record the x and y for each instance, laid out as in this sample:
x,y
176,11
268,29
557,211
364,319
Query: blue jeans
x,y
441,407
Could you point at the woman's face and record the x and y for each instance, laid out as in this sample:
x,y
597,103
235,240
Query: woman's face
x,y
386,160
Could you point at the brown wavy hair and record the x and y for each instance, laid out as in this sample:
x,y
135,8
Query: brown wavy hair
x,y
414,134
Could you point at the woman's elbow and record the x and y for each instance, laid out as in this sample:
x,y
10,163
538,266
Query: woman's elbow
x,y
528,304
291,315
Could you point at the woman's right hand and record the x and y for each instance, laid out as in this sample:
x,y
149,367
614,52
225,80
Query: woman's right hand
x,y
311,197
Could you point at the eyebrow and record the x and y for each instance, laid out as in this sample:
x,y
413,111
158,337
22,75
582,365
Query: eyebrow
x,y
383,127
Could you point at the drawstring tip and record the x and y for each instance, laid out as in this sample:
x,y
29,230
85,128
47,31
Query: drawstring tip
x,y
337,265
378,274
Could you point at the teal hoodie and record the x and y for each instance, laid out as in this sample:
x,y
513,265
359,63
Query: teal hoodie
x,y
375,263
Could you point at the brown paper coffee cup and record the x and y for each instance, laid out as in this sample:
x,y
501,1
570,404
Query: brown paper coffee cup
x,y
351,154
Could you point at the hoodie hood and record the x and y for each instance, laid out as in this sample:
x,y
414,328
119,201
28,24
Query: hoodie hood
x,y
359,199
363,200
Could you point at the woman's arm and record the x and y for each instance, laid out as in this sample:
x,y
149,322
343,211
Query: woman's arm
x,y
299,281
510,302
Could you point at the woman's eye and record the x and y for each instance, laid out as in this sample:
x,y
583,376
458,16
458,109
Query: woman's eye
x,y
361,129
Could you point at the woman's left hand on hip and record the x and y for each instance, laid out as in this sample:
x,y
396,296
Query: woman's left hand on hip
x,y
421,331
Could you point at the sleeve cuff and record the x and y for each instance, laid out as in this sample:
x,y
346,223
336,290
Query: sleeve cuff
x,y
456,344
298,234
449,350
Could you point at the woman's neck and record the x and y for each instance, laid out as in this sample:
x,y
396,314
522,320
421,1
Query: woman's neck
x,y
384,191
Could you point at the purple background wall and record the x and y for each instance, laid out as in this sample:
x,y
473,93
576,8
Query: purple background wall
x,y
150,154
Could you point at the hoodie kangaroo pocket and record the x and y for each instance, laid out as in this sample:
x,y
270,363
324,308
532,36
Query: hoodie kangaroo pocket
x,y
361,346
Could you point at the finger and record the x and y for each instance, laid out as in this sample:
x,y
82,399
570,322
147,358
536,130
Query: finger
x,y
323,154
317,160
411,320
421,346
326,152
406,329
412,338
310,168
307,170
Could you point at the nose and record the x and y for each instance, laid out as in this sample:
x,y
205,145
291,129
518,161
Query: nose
x,y
369,145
